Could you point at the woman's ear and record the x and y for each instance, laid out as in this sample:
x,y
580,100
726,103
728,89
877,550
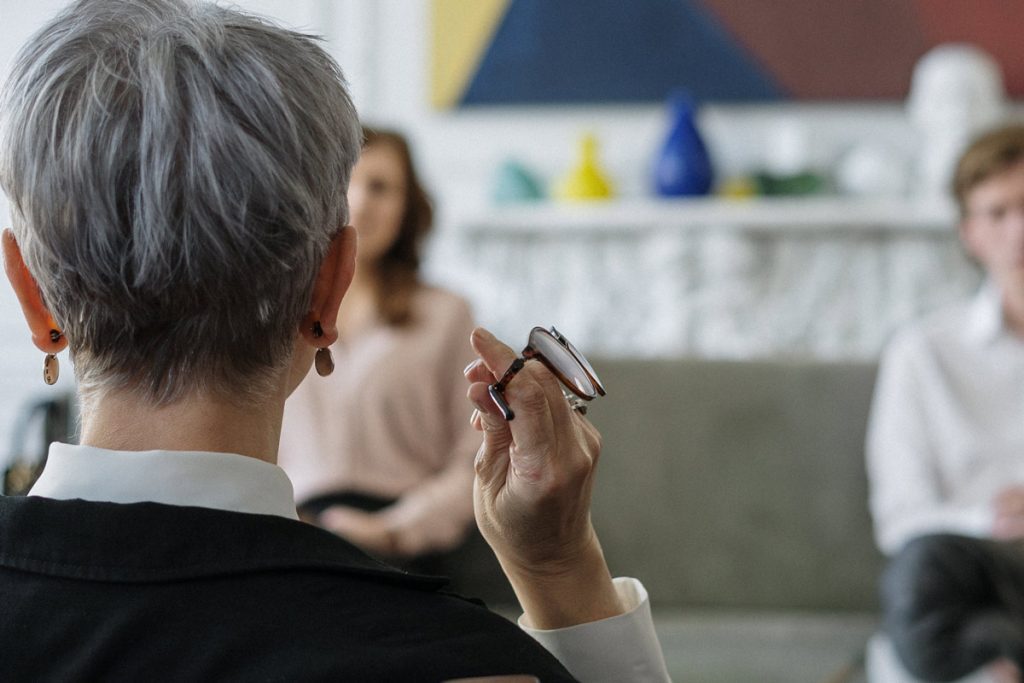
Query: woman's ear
x,y
330,286
40,322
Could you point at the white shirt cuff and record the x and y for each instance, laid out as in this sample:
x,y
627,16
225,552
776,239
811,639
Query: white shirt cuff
x,y
620,648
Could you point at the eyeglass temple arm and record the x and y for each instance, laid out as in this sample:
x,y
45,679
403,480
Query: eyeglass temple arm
x,y
497,390
499,400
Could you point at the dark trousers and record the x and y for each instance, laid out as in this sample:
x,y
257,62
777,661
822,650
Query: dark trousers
x,y
953,604
471,568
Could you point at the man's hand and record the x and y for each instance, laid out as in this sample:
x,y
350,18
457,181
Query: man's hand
x,y
534,478
1009,514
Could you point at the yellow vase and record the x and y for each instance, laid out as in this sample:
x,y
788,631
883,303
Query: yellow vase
x,y
586,181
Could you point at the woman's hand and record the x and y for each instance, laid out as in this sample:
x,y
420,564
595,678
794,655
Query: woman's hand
x,y
368,530
534,478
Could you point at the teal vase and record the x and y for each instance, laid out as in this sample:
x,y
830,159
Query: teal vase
x,y
514,183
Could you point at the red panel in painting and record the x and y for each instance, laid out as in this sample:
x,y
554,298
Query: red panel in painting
x,y
993,25
830,50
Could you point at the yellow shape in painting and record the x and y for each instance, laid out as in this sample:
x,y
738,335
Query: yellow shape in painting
x,y
462,30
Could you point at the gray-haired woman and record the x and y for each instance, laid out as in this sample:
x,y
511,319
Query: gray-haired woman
x,y
174,172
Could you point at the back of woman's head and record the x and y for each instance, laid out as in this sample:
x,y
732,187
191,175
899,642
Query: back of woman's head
x,y
174,172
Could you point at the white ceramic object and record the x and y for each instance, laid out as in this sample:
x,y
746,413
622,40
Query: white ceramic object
x,y
957,91
788,147
872,170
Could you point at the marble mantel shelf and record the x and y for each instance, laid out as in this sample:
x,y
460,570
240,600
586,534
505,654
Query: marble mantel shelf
x,y
788,215
823,277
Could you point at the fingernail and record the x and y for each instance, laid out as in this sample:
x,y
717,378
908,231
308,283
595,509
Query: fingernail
x,y
465,371
473,418
483,334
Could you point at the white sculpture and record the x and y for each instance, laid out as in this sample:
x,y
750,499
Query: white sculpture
x,y
956,92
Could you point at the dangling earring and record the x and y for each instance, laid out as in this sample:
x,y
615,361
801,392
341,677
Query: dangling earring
x,y
51,366
324,361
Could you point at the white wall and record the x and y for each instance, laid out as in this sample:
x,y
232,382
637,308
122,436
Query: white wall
x,y
383,46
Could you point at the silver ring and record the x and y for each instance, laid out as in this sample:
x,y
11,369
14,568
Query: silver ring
x,y
577,404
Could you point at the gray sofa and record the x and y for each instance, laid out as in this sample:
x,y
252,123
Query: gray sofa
x,y
738,484
737,492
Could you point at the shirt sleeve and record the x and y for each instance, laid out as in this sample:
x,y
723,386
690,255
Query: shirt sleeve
x,y
620,648
906,495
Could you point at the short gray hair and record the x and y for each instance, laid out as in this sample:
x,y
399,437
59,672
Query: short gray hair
x,y
176,171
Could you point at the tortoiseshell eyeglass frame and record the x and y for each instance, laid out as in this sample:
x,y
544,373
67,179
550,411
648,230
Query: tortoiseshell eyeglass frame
x,y
583,384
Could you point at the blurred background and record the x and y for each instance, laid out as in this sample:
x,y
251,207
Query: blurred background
x,y
731,203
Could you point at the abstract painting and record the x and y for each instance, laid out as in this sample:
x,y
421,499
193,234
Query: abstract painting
x,y
502,52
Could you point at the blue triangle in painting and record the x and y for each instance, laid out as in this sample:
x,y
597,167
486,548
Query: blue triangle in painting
x,y
565,51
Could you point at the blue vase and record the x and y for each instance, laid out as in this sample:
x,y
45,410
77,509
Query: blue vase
x,y
683,167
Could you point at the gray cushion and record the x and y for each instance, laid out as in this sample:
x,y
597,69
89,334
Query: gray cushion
x,y
737,484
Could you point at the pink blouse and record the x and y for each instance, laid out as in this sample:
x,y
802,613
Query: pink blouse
x,y
393,421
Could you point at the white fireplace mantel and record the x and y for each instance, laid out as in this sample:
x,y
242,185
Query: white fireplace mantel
x,y
756,214
820,277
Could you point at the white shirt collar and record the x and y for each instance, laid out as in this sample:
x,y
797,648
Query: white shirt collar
x,y
985,319
222,481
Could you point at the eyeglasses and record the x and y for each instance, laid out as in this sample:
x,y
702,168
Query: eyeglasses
x,y
564,361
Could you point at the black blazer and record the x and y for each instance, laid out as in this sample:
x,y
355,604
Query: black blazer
x,y
104,591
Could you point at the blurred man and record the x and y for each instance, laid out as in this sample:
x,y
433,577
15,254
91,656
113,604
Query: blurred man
x,y
945,446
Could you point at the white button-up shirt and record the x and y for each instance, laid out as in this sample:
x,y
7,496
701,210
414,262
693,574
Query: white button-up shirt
x,y
946,432
622,648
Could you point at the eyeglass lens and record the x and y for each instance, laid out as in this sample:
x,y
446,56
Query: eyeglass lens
x,y
562,362
582,360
